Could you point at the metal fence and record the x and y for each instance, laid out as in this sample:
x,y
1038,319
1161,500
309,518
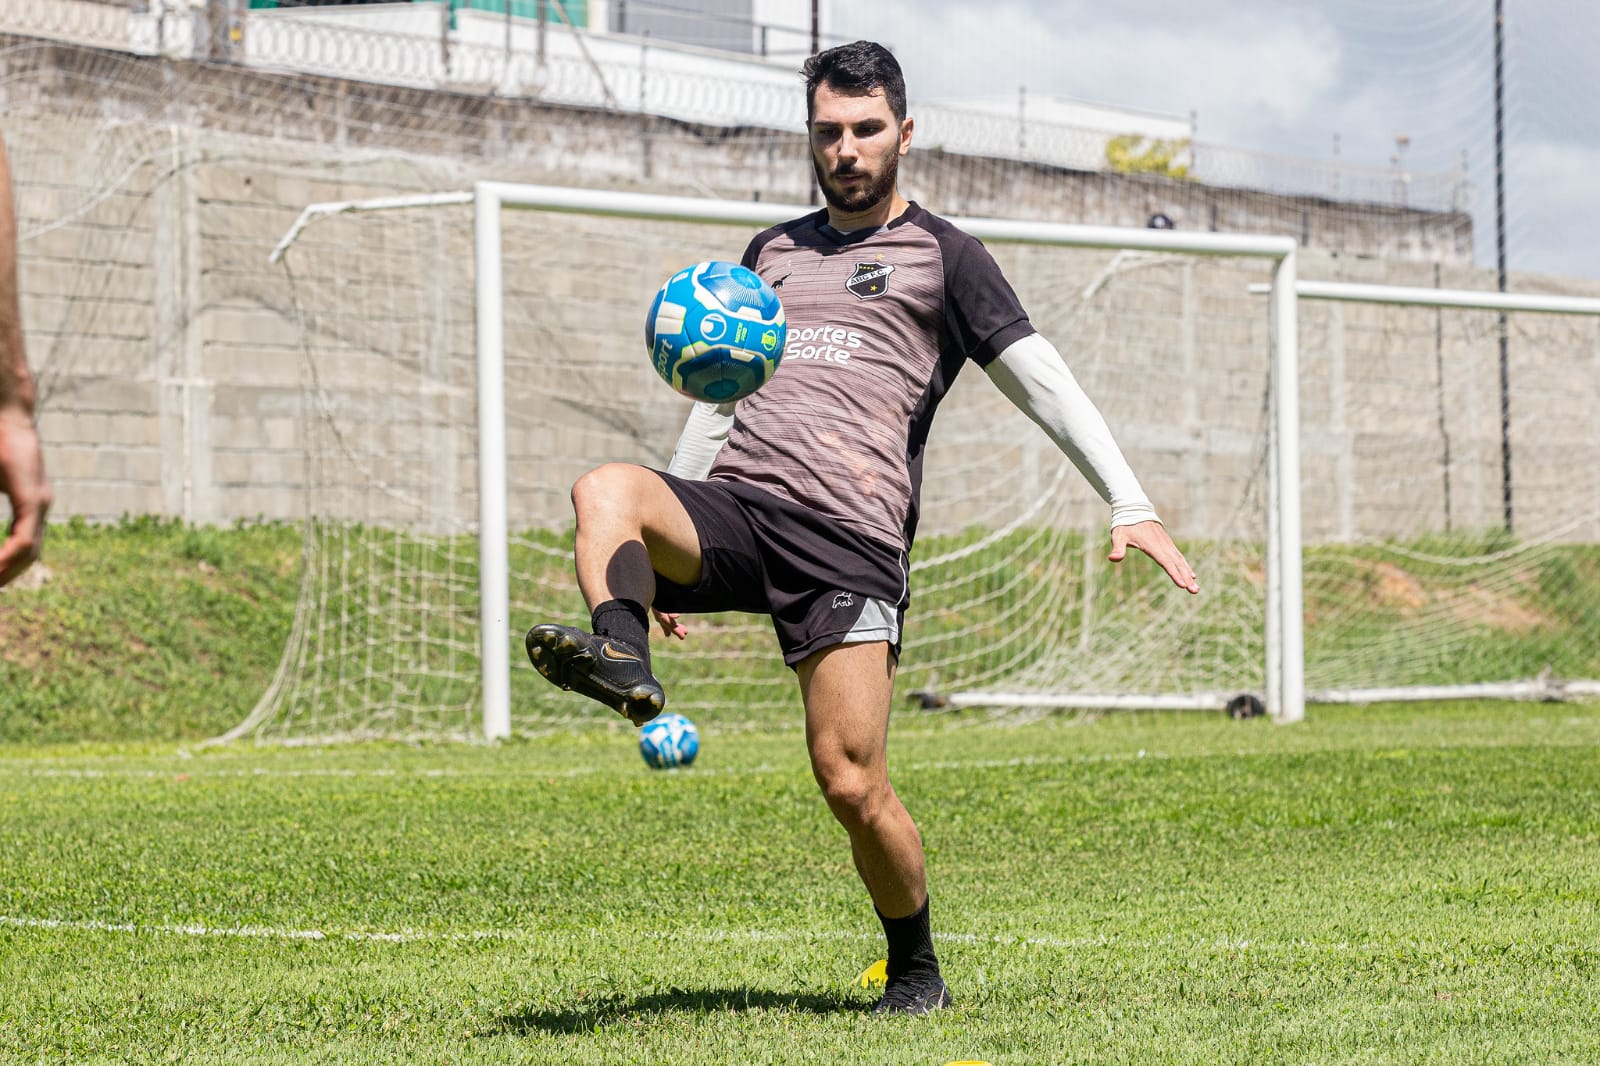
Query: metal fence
x,y
435,45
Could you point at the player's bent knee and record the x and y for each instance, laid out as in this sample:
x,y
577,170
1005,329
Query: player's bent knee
x,y
609,488
855,796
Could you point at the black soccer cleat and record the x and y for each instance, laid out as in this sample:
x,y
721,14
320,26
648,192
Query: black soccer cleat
x,y
915,995
602,668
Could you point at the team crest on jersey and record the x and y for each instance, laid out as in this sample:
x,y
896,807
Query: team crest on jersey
x,y
870,281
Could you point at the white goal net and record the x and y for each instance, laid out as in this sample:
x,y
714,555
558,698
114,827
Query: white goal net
x,y
1452,494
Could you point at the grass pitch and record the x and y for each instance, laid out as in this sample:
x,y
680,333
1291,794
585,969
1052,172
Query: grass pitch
x,y
1389,885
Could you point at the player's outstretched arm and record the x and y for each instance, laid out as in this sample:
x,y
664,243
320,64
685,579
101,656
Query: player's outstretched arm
x,y
22,480
704,433
670,626
1152,538
1032,374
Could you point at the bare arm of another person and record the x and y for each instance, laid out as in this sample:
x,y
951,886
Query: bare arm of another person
x,y
22,478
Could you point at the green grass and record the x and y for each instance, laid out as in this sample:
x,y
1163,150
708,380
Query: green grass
x,y
1386,885
1540,613
153,630
145,630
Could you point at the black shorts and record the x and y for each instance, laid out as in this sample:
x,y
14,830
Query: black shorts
x,y
822,583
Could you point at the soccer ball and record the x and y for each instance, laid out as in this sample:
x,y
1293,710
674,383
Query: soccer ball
x,y
668,741
715,332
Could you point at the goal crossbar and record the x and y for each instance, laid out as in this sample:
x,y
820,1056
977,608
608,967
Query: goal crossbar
x,y
1417,296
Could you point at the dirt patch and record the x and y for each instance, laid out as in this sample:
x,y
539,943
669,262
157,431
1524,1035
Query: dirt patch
x,y
1478,606
1393,587
21,642
36,576
1504,608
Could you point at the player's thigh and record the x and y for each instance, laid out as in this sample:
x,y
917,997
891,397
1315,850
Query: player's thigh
x,y
641,498
847,689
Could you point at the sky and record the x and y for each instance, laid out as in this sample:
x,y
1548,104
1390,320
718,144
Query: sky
x,y
1292,76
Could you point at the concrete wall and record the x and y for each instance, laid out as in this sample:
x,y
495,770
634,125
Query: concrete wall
x,y
563,145
183,375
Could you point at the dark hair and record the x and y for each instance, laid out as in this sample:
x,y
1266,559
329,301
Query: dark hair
x,y
856,69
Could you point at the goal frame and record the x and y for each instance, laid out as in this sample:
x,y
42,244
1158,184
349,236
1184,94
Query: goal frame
x,y
1284,636
1285,696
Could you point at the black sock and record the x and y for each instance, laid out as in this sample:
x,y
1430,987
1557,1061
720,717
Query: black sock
x,y
910,945
624,620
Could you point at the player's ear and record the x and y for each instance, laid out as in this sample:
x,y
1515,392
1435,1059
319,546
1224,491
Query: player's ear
x,y
905,134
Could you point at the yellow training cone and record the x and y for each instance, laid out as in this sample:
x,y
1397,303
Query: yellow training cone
x,y
874,976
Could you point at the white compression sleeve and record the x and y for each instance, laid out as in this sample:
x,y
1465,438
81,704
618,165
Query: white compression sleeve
x,y
703,436
1033,376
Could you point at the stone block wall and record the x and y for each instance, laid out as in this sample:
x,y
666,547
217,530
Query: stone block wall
x,y
184,375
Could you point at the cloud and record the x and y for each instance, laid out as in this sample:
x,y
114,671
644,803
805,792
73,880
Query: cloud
x,y
1175,66
1550,227
1285,78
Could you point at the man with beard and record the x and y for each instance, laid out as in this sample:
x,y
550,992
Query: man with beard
x,y
801,500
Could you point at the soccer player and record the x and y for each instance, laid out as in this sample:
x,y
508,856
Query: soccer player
x,y
22,479
801,500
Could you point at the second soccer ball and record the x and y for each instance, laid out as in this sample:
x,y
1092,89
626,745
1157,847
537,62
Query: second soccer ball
x,y
668,741
715,332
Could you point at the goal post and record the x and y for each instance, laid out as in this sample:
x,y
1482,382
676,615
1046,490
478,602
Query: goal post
x,y
1583,513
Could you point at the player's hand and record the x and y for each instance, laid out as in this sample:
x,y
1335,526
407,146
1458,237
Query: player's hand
x,y
1152,539
23,482
670,626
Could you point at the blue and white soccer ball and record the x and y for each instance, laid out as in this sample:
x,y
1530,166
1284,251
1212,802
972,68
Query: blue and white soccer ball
x,y
668,741
715,332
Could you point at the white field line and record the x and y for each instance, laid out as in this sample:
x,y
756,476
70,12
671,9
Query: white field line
x,y
185,768
1221,944
189,770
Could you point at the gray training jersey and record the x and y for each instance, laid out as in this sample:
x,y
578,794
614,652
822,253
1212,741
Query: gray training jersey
x,y
880,323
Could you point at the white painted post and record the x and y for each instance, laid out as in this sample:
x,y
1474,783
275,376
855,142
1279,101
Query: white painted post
x,y
494,577
1290,655
1273,697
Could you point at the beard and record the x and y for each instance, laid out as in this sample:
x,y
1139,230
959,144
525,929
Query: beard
x,y
865,196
